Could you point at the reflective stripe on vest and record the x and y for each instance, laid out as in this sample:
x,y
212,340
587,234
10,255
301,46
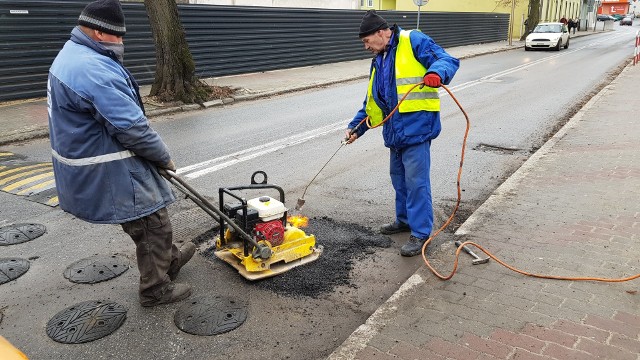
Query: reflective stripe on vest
x,y
409,72
94,159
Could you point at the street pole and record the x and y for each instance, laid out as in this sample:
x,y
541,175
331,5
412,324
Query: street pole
x,y
419,3
513,6
595,14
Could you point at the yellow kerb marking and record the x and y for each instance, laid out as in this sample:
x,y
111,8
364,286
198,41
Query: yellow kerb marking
x,y
36,187
6,154
53,200
22,168
27,181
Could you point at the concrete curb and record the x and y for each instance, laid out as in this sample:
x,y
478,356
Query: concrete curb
x,y
359,339
41,132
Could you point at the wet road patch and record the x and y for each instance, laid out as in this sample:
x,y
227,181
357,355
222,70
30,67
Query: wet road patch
x,y
213,315
19,233
86,321
97,268
12,268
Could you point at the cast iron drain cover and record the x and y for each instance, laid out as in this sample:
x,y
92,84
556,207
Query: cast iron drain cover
x,y
96,269
12,268
86,321
210,315
19,233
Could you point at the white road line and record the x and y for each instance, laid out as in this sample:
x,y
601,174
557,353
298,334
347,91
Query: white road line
x,y
222,162
206,167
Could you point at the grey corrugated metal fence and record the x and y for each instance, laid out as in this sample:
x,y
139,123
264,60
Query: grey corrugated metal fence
x,y
224,40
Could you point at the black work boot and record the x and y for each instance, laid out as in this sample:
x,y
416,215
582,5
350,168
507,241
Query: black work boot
x,y
394,228
184,255
174,292
413,247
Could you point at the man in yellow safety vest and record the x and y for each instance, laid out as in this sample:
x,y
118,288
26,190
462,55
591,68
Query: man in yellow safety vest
x,y
402,59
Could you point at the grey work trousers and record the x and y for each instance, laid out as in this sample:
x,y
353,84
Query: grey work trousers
x,y
155,251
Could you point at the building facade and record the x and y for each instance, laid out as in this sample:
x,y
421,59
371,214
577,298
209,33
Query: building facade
x,y
620,7
550,10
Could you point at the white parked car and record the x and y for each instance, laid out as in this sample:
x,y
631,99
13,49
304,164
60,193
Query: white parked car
x,y
548,36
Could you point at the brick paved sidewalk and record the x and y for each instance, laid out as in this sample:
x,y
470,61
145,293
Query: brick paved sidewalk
x,y
573,209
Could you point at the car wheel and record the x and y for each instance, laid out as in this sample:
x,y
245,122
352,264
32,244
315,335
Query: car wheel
x,y
567,44
526,48
557,48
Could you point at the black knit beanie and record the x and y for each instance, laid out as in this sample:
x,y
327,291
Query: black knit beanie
x,y
104,15
371,22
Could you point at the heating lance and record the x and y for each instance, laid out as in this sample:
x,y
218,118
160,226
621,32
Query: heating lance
x,y
301,200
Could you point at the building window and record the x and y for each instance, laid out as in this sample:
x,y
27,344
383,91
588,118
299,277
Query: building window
x,y
369,3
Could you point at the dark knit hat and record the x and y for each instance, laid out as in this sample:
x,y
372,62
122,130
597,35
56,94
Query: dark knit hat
x,y
104,15
371,22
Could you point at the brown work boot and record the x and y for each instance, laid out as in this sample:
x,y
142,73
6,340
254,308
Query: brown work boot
x,y
185,254
175,292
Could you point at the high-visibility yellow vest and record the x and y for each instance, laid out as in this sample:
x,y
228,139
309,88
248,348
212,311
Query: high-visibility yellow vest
x,y
409,72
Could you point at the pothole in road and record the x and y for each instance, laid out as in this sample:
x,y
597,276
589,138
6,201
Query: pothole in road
x,y
496,149
343,243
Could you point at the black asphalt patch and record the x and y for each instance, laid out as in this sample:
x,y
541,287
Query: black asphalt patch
x,y
12,268
213,315
96,269
86,321
19,233
343,243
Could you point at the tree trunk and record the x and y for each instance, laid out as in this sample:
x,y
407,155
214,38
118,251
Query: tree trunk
x,y
175,70
533,19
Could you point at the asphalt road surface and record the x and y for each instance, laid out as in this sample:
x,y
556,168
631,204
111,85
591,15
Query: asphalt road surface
x,y
515,101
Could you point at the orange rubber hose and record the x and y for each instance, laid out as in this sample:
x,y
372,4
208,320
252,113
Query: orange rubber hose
x,y
459,249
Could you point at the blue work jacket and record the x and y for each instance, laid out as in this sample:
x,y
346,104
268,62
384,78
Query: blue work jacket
x,y
405,129
104,151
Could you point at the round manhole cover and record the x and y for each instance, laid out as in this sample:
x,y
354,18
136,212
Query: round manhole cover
x,y
86,321
19,233
96,269
12,268
210,315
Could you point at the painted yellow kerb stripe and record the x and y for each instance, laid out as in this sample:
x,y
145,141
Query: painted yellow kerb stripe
x,y
6,154
24,168
27,181
53,200
19,175
36,187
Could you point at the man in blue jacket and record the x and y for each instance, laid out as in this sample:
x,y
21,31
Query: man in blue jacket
x,y
402,59
105,154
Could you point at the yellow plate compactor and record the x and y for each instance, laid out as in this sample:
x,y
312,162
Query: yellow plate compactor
x,y
256,236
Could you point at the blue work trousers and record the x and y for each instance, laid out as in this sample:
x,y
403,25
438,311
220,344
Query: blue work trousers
x,y
409,169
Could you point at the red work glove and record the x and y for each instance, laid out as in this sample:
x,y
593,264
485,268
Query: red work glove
x,y
432,80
